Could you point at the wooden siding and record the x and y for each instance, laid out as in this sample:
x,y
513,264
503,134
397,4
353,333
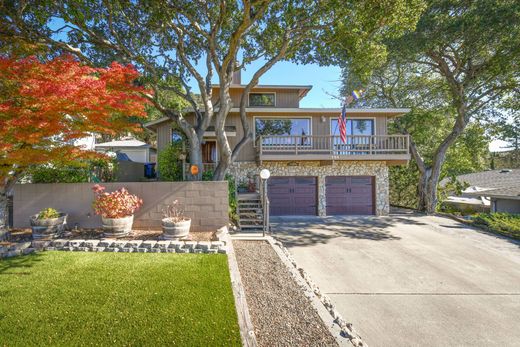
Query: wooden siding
x,y
285,98
318,127
248,153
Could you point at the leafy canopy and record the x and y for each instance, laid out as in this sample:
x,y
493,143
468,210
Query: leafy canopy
x,y
45,106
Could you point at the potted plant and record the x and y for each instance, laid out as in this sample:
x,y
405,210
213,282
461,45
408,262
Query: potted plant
x,y
116,210
174,224
48,223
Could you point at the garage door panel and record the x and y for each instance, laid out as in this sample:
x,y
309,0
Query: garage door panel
x,y
349,195
292,195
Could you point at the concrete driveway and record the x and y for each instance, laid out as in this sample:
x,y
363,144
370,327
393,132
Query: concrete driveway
x,y
412,280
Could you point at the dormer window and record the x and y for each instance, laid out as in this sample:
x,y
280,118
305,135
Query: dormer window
x,y
262,99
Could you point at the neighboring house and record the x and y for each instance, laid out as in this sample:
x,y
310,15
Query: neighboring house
x,y
312,171
135,150
496,190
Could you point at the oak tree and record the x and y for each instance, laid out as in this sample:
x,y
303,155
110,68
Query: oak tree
x,y
170,40
460,62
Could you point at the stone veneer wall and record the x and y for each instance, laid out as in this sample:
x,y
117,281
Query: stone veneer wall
x,y
242,170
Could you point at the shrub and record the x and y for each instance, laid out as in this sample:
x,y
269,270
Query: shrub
x,y
502,223
117,204
103,170
168,163
48,213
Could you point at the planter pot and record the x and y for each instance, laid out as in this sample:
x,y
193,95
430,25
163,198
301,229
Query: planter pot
x,y
48,228
115,227
175,230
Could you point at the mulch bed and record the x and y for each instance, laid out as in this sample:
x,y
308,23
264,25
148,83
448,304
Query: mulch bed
x,y
281,314
20,235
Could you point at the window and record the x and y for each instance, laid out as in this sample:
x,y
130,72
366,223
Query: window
x,y
284,128
354,127
358,136
262,99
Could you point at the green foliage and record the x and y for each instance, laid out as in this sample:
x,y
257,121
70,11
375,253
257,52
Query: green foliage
x,y
48,213
139,299
233,216
207,175
168,164
99,170
502,223
453,71
403,185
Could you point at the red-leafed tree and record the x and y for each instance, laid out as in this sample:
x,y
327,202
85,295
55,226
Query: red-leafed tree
x,y
45,106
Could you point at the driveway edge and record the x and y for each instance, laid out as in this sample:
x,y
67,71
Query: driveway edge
x,y
323,305
245,323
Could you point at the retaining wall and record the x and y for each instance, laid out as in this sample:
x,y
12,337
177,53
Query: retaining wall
x,y
205,202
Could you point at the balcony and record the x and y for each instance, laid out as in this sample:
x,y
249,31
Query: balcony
x,y
394,148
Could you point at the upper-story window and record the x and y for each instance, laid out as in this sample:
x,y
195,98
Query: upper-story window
x,y
262,99
285,130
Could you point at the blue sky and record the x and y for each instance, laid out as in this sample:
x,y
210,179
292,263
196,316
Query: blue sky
x,y
326,81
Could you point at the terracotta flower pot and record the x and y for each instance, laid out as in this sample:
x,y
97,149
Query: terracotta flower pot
x,y
116,227
48,227
175,230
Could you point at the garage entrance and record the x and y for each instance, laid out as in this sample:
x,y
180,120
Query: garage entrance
x,y
350,195
292,195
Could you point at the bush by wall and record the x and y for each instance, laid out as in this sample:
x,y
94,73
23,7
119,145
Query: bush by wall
x,y
501,223
88,171
168,163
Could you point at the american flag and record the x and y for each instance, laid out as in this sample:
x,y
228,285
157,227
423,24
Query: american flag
x,y
342,122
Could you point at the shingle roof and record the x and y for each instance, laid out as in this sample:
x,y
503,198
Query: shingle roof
x,y
123,143
493,179
508,192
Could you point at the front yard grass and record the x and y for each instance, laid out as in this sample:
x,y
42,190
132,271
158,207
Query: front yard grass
x,y
65,298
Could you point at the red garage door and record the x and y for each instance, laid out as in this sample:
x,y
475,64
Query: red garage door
x,y
292,195
350,195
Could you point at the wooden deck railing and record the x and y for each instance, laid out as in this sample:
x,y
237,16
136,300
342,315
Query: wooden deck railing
x,y
332,147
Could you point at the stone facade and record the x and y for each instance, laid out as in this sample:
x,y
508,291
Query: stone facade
x,y
379,169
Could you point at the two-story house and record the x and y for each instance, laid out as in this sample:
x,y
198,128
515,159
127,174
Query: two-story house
x,y
313,172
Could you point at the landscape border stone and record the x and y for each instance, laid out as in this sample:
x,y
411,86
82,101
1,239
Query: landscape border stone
x,y
13,249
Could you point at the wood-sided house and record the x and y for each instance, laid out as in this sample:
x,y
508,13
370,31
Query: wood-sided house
x,y
313,172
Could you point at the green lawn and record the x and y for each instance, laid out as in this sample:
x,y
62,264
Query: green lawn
x,y
65,298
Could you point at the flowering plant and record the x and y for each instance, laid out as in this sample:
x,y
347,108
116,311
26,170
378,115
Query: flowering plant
x,y
48,213
117,204
174,213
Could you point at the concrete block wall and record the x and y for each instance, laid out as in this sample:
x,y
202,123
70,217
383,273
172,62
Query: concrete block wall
x,y
206,203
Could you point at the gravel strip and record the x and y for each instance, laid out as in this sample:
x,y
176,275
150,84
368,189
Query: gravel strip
x,y
281,314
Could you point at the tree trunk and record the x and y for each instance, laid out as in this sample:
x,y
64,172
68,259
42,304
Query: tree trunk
x,y
4,212
225,150
422,189
5,190
195,150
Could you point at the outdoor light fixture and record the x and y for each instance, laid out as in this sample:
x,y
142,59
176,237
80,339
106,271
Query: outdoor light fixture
x,y
265,174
